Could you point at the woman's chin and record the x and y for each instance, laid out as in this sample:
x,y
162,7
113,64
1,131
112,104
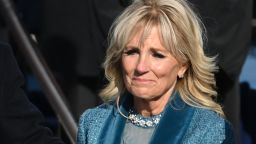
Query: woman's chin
x,y
146,95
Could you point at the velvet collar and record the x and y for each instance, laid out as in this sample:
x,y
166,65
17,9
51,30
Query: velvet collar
x,y
171,129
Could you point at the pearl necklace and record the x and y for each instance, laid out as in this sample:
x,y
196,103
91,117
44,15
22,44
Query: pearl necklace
x,y
141,121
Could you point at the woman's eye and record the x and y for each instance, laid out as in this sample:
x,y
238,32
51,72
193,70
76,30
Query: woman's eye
x,y
131,51
158,55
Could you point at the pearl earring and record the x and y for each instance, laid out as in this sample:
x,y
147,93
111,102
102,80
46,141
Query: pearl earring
x,y
180,76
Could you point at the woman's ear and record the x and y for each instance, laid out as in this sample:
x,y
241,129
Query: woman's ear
x,y
183,68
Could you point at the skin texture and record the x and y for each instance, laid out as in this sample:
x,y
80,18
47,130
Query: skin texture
x,y
150,72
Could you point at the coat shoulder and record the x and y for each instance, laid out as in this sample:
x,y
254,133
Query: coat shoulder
x,y
91,122
208,127
97,113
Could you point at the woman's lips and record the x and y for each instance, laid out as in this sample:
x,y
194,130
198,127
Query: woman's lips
x,y
142,81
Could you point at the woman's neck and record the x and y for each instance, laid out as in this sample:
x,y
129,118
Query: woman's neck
x,y
150,107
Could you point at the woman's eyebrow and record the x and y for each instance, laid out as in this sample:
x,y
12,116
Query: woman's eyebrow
x,y
155,49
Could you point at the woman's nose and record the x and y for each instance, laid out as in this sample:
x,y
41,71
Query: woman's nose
x,y
142,65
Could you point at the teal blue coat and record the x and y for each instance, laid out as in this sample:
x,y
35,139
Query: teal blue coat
x,y
180,124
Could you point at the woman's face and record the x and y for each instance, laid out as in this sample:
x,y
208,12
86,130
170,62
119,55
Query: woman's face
x,y
149,70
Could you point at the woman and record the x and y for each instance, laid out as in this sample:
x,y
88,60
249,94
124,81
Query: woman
x,y
161,85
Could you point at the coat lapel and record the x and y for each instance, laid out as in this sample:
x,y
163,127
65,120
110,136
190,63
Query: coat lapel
x,y
115,123
174,123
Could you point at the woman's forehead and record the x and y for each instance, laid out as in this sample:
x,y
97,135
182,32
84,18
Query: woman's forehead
x,y
141,33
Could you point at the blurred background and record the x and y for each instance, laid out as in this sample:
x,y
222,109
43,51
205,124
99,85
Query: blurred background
x,y
71,36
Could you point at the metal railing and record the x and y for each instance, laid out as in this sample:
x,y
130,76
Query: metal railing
x,y
40,69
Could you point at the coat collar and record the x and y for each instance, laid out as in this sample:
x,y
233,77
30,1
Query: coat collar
x,y
171,129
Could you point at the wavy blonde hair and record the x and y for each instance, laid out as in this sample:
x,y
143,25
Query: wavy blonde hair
x,y
182,34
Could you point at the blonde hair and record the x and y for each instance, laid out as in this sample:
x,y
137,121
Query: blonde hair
x,y
182,34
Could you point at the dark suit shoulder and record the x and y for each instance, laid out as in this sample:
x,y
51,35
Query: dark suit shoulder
x,y
10,71
21,121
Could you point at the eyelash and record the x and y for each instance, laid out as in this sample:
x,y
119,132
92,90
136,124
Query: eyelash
x,y
136,51
158,55
131,52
